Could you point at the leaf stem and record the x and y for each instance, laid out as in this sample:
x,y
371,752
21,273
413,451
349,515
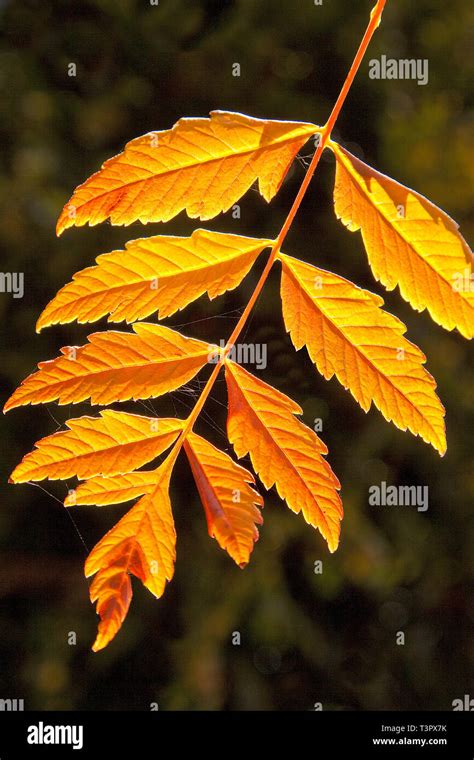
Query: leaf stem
x,y
375,18
325,136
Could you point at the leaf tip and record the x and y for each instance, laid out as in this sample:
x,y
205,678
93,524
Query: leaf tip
x,y
61,224
40,323
9,404
99,643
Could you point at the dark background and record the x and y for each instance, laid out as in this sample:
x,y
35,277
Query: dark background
x,y
305,638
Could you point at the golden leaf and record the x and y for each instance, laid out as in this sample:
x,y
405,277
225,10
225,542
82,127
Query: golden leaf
x,y
230,503
283,451
113,443
102,491
347,334
409,241
200,165
142,543
161,273
115,366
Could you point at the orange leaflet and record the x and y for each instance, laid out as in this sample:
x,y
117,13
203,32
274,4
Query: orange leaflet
x,y
200,165
230,503
347,334
112,590
160,273
142,543
409,241
284,452
102,491
115,366
113,443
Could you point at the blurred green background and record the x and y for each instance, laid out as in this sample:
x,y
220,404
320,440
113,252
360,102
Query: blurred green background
x,y
305,638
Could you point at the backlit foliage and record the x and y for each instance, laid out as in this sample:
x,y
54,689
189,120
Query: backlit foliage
x,y
203,166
